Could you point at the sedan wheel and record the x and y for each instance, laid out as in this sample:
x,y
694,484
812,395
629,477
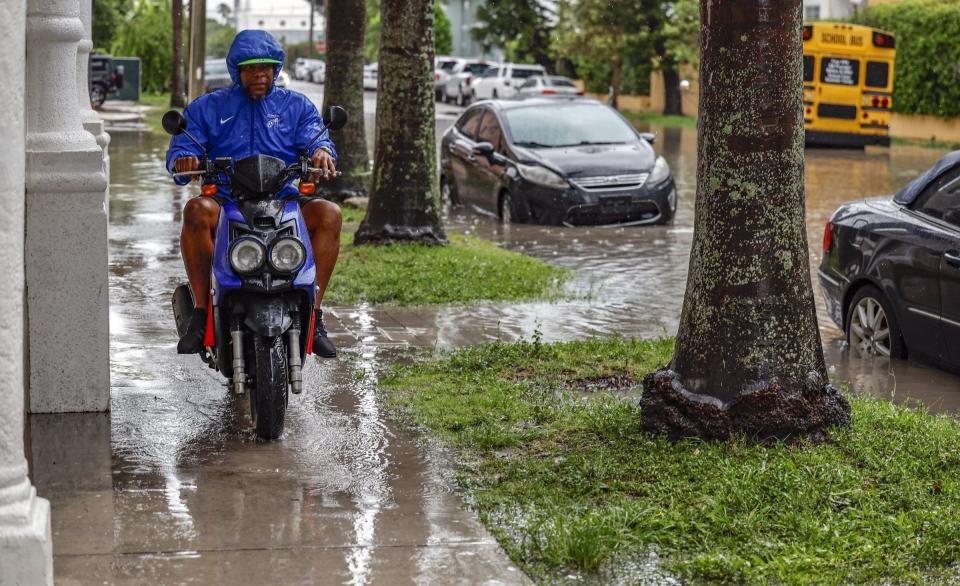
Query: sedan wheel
x,y
871,327
506,209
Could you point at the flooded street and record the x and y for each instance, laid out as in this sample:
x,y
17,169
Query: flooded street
x,y
172,488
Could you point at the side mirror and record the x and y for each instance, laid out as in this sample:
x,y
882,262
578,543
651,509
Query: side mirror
x,y
650,137
335,118
174,122
483,148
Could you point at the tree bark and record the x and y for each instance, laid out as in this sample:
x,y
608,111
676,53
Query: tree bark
x,y
343,86
177,99
615,75
672,99
404,198
748,356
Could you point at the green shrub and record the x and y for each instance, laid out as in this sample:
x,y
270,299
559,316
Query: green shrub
x,y
927,72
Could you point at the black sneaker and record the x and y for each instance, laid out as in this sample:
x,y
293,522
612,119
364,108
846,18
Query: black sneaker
x,y
191,342
322,346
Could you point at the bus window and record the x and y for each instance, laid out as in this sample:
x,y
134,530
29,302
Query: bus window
x,y
840,71
877,74
808,68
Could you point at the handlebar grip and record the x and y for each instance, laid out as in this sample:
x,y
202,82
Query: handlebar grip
x,y
318,170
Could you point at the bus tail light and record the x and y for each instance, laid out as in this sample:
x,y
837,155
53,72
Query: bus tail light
x,y
807,32
883,41
885,102
827,237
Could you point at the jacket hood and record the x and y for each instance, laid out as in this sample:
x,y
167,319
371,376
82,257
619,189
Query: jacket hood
x,y
253,44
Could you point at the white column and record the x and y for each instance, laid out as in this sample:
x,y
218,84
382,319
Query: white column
x,y
25,547
91,120
66,244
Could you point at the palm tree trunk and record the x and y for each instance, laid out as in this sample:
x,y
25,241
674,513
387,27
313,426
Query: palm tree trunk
x,y
177,99
343,86
672,102
404,198
748,356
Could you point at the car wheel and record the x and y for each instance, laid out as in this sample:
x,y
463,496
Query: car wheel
x,y
872,328
448,191
97,96
667,215
513,209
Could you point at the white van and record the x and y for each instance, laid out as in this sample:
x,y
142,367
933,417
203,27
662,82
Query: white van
x,y
502,81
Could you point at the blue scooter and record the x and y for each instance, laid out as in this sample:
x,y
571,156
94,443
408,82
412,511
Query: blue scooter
x,y
260,310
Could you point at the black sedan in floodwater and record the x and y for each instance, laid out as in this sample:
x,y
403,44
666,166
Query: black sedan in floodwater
x,y
570,161
891,269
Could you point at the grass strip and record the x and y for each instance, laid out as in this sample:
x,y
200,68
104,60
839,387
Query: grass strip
x,y
561,475
668,121
469,269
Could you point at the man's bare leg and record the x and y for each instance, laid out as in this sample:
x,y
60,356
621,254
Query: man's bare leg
x,y
200,217
323,222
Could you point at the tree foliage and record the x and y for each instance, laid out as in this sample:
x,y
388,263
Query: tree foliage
x,y
108,15
443,39
521,27
148,34
927,74
596,35
219,38
443,31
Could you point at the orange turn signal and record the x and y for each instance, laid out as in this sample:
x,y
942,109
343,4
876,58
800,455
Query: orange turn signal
x,y
209,189
308,187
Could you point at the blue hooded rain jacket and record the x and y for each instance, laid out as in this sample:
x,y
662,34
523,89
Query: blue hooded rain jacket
x,y
231,124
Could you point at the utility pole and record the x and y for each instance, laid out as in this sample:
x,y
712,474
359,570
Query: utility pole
x,y
198,47
176,74
310,47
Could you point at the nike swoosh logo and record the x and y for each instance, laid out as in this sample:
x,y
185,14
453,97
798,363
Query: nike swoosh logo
x,y
225,120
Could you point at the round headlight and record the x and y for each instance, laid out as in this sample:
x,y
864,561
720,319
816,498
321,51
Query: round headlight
x,y
287,254
246,255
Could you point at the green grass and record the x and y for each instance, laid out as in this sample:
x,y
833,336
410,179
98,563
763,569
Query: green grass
x,y
156,105
564,479
468,269
661,120
930,144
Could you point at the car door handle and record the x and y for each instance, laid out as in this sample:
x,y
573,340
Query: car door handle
x,y
952,257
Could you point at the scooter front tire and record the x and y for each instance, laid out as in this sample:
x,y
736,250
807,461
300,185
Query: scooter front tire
x,y
268,394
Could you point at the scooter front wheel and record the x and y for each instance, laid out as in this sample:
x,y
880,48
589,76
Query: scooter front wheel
x,y
268,395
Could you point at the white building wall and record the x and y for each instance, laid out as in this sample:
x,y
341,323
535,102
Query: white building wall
x,y
66,239
831,9
284,19
25,546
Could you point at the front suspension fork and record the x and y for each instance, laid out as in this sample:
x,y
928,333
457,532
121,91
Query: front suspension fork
x,y
296,367
239,376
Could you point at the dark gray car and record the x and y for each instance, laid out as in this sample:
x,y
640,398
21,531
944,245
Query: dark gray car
x,y
890,273
216,75
569,161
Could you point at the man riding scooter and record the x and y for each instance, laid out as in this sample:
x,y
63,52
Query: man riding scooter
x,y
253,117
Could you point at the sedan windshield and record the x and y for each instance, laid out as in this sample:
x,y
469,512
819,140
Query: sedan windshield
x,y
567,125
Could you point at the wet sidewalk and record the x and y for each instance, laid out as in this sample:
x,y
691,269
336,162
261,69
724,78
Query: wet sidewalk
x,y
172,488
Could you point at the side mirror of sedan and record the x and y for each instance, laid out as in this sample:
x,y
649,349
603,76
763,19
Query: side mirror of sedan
x,y
483,148
650,137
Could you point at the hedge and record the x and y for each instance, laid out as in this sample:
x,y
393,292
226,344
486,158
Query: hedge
x,y
927,72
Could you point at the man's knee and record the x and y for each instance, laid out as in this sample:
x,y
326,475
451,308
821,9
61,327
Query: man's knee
x,y
321,214
201,213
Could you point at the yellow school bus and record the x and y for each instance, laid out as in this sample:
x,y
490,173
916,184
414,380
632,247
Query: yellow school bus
x,y
847,84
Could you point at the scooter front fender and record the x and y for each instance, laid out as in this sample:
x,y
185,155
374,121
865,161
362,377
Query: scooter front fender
x,y
268,316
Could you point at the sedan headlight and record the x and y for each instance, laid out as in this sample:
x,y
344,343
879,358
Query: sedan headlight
x,y
247,255
660,173
542,176
287,254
